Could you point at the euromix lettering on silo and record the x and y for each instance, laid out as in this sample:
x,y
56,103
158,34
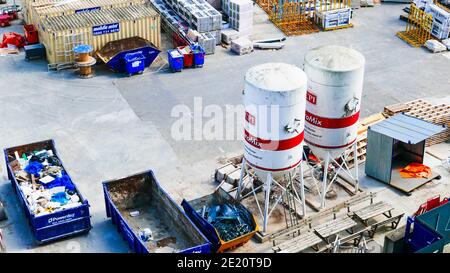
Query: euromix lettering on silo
x,y
60,219
105,29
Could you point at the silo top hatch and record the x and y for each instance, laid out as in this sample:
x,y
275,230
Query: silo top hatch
x,y
334,58
276,77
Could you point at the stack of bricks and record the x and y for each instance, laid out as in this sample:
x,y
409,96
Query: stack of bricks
x,y
241,16
199,14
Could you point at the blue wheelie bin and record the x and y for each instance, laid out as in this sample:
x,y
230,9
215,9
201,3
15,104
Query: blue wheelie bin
x,y
199,55
175,60
134,63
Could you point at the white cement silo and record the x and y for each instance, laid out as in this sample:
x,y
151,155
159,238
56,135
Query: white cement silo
x,y
335,81
274,99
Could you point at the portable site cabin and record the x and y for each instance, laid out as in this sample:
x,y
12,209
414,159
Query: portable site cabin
x,y
61,34
394,143
39,9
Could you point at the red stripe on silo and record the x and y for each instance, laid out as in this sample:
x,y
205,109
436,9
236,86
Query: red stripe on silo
x,y
273,145
270,169
331,123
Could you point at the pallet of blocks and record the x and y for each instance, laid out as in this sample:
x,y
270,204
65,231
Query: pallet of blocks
x,y
437,114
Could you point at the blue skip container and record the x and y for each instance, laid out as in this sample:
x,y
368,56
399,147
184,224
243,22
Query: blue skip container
x,y
55,225
134,63
175,60
113,54
148,219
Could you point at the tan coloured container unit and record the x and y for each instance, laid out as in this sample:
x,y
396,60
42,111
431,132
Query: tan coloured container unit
x,y
61,34
51,8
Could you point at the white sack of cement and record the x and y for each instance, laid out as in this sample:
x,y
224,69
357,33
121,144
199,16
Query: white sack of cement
x,y
446,42
242,46
435,46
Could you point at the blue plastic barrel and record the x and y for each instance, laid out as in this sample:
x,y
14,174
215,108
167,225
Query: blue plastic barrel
x,y
175,59
134,63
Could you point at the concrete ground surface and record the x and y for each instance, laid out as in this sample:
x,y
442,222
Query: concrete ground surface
x,y
111,126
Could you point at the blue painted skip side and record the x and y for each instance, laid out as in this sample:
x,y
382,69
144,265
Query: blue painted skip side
x,y
134,241
205,227
419,237
117,63
56,225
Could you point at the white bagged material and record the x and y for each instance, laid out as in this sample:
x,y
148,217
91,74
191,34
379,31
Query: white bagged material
x,y
446,42
440,31
435,46
422,3
242,46
437,12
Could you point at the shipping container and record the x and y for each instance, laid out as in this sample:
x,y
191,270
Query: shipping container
x,y
148,219
96,28
52,8
60,223
219,198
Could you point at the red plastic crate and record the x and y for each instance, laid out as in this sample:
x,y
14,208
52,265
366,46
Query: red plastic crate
x,y
188,56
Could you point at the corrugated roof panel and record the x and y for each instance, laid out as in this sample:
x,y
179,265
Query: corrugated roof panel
x,y
406,128
99,17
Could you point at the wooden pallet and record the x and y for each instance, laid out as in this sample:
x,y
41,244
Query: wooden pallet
x,y
404,107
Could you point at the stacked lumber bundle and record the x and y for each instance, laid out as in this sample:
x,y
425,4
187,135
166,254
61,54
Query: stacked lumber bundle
x,y
437,114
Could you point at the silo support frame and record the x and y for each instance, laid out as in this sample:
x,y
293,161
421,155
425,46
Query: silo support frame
x,y
342,167
267,210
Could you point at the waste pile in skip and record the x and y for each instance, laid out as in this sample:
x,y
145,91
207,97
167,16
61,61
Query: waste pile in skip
x,y
43,181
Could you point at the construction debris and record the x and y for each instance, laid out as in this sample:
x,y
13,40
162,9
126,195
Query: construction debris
x,y
44,182
229,220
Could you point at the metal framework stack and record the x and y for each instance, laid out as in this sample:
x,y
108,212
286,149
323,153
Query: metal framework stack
x,y
418,28
294,18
